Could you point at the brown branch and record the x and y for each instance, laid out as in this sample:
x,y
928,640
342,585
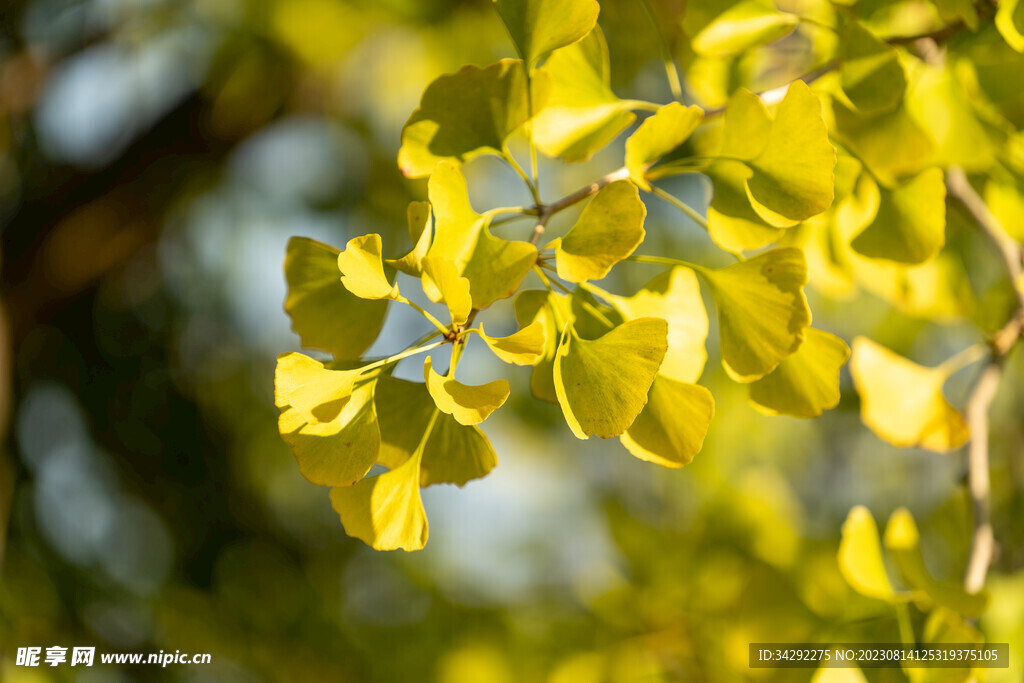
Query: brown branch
x,y
983,546
546,211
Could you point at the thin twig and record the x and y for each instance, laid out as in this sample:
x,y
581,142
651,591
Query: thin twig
x,y
545,212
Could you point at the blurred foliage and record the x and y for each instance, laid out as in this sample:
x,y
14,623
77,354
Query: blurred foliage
x,y
154,159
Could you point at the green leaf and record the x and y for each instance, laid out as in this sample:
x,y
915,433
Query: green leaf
x,y
903,543
671,428
870,71
732,222
421,231
744,25
535,306
463,115
602,384
658,135
902,402
385,511
493,266
673,296
456,454
581,114
323,313
524,347
910,225
793,176
610,228
454,289
860,556
362,271
539,26
806,383
329,422
891,144
762,311
469,405
959,9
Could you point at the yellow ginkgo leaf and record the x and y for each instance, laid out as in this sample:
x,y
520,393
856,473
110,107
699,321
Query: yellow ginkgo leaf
x,y
536,306
743,25
602,384
910,224
658,135
609,229
848,673
539,26
362,270
762,311
454,289
805,383
860,556
421,231
732,222
902,402
328,421
469,405
522,348
385,511
671,428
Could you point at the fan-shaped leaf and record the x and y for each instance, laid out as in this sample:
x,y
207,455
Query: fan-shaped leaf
x,y
860,556
602,384
469,405
657,136
732,221
539,26
1010,22
421,231
744,25
902,402
362,270
454,289
324,314
870,71
609,229
762,311
910,225
805,383
671,428
524,347
534,306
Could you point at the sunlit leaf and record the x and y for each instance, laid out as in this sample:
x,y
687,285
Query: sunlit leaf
x,y
609,229
732,221
421,231
621,364
675,297
1004,197
539,26
493,266
456,454
910,225
959,9
903,543
805,383
454,289
902,402
524,347
592,317
531,307
671,428
469,405
362,270
743,25
581,114
657,136
848,673
762,311
463,115
870,71
1010,22
860,556
746,126
324,314
328,421
385,511
891,144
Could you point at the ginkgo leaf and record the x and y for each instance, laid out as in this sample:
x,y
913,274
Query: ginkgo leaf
x,y
532,306
421,231
456,454
385,511
324,314
793,176
805,383
846,673
469,405
581,114
675,297
493,266
902,540
874,137
910,225
658,135
463,115
591,317
902,401
602,384
1010,23
959,9
744,25
732,222
454,289
609,229
328,421
671,428
539,26
745,127
524,347
870,71
362,270
860,556
762,311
